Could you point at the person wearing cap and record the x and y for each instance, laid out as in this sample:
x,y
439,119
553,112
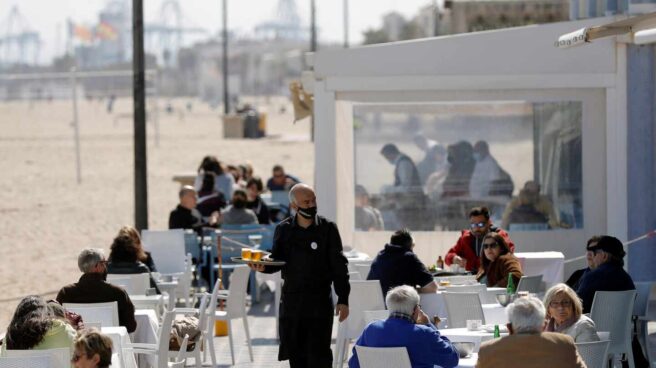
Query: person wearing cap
x,y
607,272
575,279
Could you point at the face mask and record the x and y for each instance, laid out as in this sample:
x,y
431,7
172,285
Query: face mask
x,y
308,213
239,203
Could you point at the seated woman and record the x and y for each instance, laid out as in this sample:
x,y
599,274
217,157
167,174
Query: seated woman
x,y
497,262
254,188
92,350
209,199
33,328
142,255
565,314
124,259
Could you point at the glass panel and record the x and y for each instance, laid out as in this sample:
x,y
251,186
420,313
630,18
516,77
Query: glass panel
x,y
425,166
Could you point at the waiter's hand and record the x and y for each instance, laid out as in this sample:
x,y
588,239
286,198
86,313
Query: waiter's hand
x,y
256,267
342,310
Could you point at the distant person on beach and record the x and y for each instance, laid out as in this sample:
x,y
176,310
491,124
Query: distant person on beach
x,y
255,203
92,288
224,182
280,180
237,213
186,216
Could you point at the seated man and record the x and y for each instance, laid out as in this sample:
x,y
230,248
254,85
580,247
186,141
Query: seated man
x,y
280,180
468,248
92,288
575,279
530,207
528,346
607,273
237,213
397,265
408,326
186,216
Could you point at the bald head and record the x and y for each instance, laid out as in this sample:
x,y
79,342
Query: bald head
x,y
187,196
303,200
299,192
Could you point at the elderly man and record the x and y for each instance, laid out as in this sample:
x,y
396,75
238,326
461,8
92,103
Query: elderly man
x,y
575,279
186,216
466,252
92,288
528,346
398,265
312,249
606,271
408,326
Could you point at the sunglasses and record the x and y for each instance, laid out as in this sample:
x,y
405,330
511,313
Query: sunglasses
x,y
478,225
490,245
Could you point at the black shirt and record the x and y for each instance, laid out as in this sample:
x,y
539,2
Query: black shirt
x,y
261,210
395,266
184,218
314,260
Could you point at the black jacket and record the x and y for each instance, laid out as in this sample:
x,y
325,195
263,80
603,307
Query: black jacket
x,y
92,288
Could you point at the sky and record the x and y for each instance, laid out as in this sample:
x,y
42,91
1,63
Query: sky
x,y
48,17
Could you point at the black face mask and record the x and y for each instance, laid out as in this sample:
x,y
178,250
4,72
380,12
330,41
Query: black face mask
x,y
308,213
239,203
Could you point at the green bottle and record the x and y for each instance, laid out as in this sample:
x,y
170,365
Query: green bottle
x,y
510,289
496,331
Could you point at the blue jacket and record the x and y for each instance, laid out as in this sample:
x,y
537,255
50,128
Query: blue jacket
x,y
607,277
426,347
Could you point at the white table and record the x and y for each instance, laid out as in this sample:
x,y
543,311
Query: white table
x,y
551,265
463,334
433,305
469,362
146,332
120,340
154,302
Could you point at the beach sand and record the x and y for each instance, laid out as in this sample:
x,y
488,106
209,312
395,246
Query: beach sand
x,y
46,217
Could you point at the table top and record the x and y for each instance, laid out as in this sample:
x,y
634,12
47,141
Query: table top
x,y
147,298
469,362
550,254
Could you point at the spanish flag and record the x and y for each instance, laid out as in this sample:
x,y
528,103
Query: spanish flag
x,y
80,32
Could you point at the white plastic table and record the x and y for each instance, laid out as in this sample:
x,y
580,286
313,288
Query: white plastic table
x,y
463,334
469,362
433,305
146,332
551,265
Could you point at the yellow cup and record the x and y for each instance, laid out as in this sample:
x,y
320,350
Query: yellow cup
x,y
246,254
256,255
445,283
220,328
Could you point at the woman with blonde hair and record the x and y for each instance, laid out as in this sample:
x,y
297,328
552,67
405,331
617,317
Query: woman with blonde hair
x,y
92,350
565,314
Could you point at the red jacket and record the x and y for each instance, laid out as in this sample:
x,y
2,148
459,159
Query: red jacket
x,y
465,248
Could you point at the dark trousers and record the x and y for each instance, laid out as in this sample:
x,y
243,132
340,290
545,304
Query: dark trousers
x,y
306,342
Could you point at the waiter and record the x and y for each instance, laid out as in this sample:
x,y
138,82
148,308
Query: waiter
x,y
312,249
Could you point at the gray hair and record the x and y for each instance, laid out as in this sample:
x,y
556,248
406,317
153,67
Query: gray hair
x,y
89,258
402,299
296,188
526,315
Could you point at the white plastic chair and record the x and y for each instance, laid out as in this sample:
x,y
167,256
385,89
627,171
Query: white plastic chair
x,y
594,354
235,308
370,316
167,248
364,296
104,313
383,357
134,284
202,326
611,311
641,315
461,307
532,284
480,289
160,350
38,361
58,358
355,276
